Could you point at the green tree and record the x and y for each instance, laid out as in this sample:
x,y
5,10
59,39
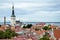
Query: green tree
x,y
49,25
13,33
7,34
24,26
0,25
27,26
46,28
44,38
1,35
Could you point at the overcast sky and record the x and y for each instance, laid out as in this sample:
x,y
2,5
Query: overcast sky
x,y
31,10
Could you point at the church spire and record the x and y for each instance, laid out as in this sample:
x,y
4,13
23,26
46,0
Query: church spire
x,y
13,15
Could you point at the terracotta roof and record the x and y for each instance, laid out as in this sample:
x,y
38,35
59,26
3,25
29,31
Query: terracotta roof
x,y
1,29
41,23
24,37
57,33
40,32
13,28
52,26
3,26
51,39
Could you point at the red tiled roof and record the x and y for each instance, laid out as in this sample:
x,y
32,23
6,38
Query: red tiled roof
x,y
41,23
23,37
57,33
13,28
1,29
40,32
51,39
52,26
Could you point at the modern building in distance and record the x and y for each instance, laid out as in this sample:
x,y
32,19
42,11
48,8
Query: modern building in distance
x,y
4,20
13,17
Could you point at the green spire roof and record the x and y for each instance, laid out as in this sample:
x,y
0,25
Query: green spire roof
x,y
13,15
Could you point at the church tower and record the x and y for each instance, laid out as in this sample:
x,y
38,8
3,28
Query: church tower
x,y
13,19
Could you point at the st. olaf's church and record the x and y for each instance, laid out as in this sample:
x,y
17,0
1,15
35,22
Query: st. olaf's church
x,y
13,17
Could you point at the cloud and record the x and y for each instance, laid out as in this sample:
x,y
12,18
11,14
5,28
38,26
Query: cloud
x,y
25,5
32,10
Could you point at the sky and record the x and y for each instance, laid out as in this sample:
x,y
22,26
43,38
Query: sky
x,y
31,10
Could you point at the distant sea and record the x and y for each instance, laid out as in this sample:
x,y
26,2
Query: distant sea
x,y
54,23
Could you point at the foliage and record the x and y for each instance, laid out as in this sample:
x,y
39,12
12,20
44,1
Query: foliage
x,y
7,34
24,26
46,34
27,26
49,25
0,25
45,37
1,34
46,28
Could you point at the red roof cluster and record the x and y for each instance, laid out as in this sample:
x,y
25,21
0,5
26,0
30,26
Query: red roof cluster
x,y
57,33
24,37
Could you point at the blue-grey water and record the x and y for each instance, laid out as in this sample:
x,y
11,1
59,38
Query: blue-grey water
x,y
55,23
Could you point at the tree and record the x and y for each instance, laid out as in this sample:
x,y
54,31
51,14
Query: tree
x,y
45,37
13,33
49,25
27,26
0,25
24,26
1,35
7,34
46,28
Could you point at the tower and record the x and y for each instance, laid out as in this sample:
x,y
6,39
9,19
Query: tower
x,y
4,20
13,21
